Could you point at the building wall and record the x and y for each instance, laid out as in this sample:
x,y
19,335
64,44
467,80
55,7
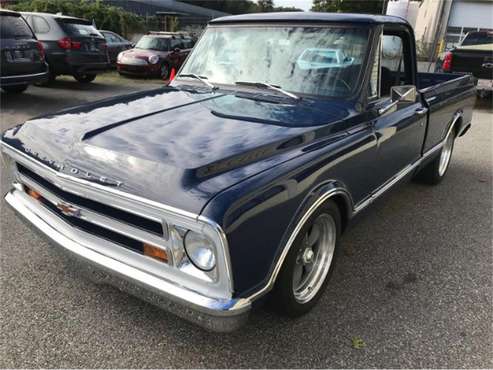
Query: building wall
x,y
428,20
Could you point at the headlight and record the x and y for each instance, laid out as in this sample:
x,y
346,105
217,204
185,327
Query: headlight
x,y
200,250
153,59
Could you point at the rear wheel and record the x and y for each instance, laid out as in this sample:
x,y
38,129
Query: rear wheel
x,y
84,77
310,263
17,89
434,172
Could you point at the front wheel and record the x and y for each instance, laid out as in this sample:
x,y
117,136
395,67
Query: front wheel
x,y
309,264
85,77
17,89
434,172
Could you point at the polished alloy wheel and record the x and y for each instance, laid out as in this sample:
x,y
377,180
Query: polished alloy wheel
x,y
446,154
314,258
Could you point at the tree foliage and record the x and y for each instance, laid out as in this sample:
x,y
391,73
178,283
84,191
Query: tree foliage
x,y
106,17
241,6
349,6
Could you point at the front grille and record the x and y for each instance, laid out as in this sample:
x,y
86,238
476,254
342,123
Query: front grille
x,y
128,218
96,230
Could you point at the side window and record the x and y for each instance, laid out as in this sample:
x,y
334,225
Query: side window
x,y
177,43
110,38
393,66
40,25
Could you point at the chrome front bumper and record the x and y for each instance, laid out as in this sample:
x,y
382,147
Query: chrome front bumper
x,y
221,315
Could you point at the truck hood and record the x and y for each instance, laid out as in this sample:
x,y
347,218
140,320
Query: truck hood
x,y
175,147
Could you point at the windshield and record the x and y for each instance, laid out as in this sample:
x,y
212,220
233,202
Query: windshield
x,y
14,27
153,43
478,38
303,60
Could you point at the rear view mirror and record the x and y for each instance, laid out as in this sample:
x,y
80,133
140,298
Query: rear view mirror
x,y
404,93
399,94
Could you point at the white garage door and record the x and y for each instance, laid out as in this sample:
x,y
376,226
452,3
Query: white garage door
x,y
471,14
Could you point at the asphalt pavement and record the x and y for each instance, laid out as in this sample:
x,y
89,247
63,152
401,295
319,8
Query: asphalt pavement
x,y
414,288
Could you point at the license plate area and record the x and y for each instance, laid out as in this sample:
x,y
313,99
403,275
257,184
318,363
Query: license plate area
x,y
19,56
484,84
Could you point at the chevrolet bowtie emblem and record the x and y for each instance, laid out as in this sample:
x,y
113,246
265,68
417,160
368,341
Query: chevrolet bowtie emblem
x,y
68,210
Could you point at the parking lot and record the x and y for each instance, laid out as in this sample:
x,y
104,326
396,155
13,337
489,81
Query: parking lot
x,y
415,282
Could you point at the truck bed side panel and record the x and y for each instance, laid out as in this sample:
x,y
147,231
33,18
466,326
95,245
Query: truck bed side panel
x,y
444,100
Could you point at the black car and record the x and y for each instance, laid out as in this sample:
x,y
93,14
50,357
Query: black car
x,y
22,55
116,44
73,46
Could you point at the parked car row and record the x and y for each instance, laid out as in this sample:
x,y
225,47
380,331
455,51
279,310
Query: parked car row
x,y
38,47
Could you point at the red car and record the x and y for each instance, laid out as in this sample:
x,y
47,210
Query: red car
x,y
155,55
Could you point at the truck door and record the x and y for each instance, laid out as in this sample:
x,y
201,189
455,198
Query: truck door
x,y
400,127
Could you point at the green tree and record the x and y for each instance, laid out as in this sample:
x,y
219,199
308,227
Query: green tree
x,y
350,6
287,9
265,5
106,17
227,6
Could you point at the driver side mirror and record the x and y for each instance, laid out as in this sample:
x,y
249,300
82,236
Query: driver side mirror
x,y
176,50
399,94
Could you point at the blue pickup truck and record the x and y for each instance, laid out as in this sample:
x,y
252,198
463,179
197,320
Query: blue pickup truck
x,y
232,185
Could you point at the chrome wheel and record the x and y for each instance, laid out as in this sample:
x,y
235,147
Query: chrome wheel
x,y
446,154
314,258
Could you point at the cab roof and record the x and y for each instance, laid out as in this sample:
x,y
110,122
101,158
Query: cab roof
x,y
311,17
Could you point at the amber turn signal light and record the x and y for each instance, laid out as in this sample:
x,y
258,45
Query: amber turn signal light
x,y
32,193
155,252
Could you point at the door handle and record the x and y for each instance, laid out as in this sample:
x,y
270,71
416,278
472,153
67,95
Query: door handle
x,y
421,111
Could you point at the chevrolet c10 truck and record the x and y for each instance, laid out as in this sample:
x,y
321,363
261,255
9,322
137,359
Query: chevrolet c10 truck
x,y
232,185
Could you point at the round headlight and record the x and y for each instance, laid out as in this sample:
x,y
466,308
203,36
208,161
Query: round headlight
x,y
153,59
200,250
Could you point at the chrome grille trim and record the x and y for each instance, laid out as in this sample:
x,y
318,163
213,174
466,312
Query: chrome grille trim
x,y
221,287
97,219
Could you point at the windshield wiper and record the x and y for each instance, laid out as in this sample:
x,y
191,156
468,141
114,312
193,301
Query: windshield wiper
x,y
202,79
264,85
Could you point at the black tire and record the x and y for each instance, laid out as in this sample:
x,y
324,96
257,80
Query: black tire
x,y
283,298
434,172
84,77
17,89
165,71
